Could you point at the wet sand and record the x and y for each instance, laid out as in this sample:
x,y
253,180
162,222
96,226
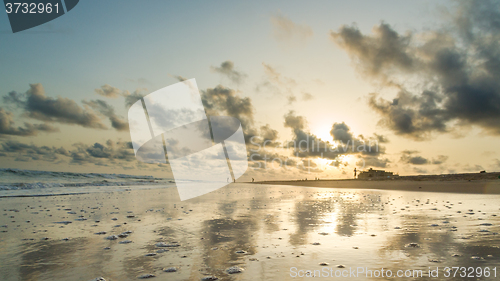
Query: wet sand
x,y
263,230
454,186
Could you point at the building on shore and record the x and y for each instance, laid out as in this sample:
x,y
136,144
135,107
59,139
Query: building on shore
x,y
375,174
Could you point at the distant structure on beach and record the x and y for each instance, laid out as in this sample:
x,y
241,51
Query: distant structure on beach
x,y
375,174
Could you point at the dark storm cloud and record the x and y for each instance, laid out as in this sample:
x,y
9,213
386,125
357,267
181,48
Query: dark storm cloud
x,y
454,71
227,69
7,126
37,105
107,110
109,91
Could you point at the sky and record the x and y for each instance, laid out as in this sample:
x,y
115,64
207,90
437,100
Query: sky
x,y
414,82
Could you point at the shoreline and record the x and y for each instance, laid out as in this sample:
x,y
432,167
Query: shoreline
x,y
484,186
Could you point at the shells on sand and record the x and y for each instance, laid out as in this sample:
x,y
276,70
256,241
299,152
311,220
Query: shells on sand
x,y
209,278
234,269
170,269
146,276
125,242
165,245
241,252
112,237
323,263
98,279
412,245
340,266
101,232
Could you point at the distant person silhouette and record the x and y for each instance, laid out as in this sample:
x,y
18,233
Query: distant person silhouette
x,y
355,171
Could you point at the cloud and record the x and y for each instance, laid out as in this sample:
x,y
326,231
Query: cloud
x,y
227,69
26,152
7,126
131,98
371,161
440,160
306,144
108,91
226,101
287,32
340,131
446,78
408,158
307,96
178,77
38,106
107,110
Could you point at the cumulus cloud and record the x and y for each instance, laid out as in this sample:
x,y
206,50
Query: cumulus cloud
x,y
226,101
27,152
287,32
38,106
445,77
227,69
306,144
7,126
107,110
131,98
409,157
108,91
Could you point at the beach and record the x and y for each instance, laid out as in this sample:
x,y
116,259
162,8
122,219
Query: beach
x,y
251,232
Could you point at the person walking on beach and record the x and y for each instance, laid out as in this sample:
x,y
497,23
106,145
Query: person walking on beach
x,y
355,171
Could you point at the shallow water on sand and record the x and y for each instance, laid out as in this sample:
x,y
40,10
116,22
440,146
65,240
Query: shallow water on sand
x,y
271,232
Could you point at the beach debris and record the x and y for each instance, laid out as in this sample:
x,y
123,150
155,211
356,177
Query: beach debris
x,y
456,255
165,245
323,233
484,230
150,254
234,270
98,279
170,269
316,243
107,248
355,248
209,278
65,239
146,276
241,252
114,219
64,222
101,233
340,266
45,238
123,235
436,261
412,245
397,227
486,224
130,216
323,263
112,237
434,224
477,258
125,242
162,251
